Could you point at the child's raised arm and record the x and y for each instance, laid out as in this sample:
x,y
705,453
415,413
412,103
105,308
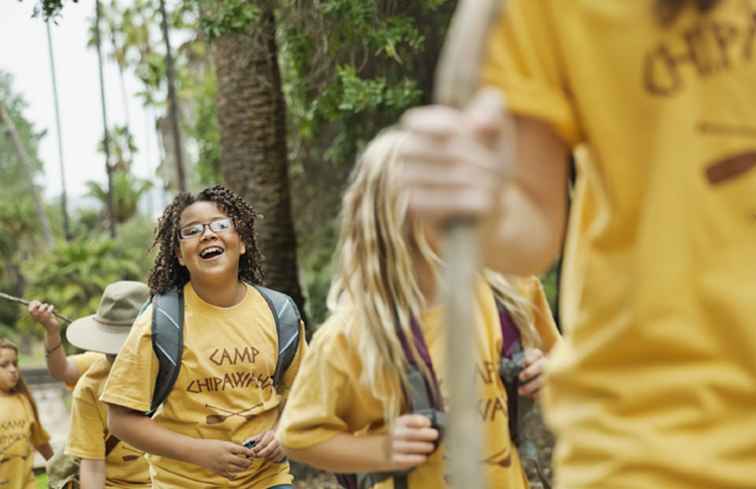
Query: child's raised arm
x,y
60,367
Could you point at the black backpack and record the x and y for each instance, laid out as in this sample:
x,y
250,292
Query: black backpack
x,y
168,337
421,402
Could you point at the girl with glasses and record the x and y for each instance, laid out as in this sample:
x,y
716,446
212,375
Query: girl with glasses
x,y
207,250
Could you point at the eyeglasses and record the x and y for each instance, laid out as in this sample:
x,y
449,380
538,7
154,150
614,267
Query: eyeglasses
x,y
219,418
217,226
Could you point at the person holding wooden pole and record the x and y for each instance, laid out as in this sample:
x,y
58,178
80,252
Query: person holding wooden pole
x,y
655,385
65,368
371,397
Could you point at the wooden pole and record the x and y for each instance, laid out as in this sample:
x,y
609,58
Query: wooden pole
x,y
457,81
23,156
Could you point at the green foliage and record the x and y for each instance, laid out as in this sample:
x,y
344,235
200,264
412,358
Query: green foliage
x,y
358,76
121,145
350,69
227,17
551,287
42,481
127,190
73,274
49,9
20,231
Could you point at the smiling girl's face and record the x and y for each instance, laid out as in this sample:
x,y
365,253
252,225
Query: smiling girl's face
x,y
212,255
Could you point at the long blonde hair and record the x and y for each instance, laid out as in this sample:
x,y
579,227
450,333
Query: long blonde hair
x,y
375,283
20,387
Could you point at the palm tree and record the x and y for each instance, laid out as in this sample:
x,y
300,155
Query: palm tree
x,y
172,99
253,152
126,191
106,140
58,131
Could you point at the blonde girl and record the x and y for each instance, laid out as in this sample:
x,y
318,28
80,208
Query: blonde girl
x,y
20,429
347,412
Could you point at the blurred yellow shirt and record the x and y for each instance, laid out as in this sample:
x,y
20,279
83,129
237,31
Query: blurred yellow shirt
x,y
20,434
83,361
329,398
224,389
126,466
655,386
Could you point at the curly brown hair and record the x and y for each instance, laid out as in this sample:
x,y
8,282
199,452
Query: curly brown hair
x,y
668,10
168,273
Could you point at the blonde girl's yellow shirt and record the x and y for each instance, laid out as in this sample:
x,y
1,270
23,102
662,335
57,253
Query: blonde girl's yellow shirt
x,y
20,434
224,390
656,383
126,467
328,396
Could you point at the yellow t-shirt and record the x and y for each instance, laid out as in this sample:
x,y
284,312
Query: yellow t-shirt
x,y
126,466
656,383
83,361
20,434
224,389
328,396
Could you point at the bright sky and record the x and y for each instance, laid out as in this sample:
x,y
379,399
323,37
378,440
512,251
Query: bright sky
x,y
24,54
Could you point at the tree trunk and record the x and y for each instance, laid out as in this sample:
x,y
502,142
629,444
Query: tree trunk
x,y
58,131
103,107
173,100
253,152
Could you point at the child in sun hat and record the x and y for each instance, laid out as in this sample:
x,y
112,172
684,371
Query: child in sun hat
x,y
105,460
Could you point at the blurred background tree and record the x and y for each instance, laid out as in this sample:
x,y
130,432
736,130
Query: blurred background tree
x,y
277,99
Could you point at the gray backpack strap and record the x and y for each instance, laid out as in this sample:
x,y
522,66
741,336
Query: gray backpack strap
x,y
287,318
421,402
167,342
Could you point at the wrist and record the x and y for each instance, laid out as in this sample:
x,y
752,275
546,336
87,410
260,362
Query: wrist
x,y
387,459
191,451
53,337
50,349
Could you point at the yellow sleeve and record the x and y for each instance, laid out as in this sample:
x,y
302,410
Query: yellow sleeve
x,y
523,60
132,378
543,318
318,402
86,438
83,361
291,372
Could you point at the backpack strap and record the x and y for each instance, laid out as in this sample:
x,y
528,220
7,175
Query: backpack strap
x,y
422,398
288,319
110,443
510,367
167,342
512,360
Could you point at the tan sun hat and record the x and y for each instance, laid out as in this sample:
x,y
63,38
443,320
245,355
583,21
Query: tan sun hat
x,y
107,329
